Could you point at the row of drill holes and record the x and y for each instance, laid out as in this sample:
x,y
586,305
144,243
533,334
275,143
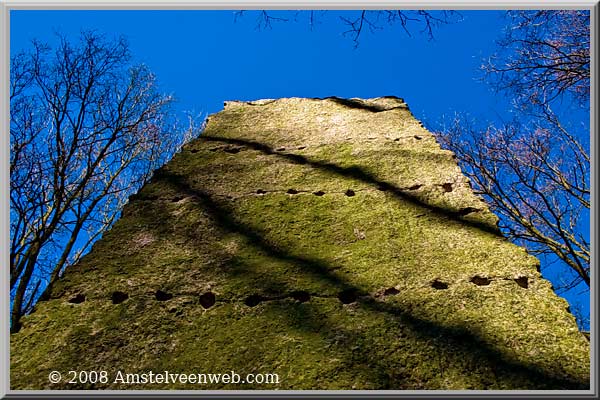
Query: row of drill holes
x,y
319,193
522,281
235,150
382,187
206,300
349,296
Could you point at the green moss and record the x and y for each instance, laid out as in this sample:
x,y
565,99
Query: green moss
x,y
397,248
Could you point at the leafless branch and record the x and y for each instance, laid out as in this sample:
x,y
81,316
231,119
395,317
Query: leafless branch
x,y
535,171
373,20
87,129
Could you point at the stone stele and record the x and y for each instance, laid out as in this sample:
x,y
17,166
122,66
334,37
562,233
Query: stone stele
x,y
329,241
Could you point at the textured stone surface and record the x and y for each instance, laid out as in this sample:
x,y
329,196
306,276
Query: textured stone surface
x,y
331,242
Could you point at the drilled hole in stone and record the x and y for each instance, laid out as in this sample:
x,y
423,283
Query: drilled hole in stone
x,y
77,299
347,296
233,150
207,300
350,193
177,198
301,147
301,296
418,137
118,297
280,149
447,187
437,284
383,187
415,187
260,191
390,291
253,300
292,191
162,296
319,193
480,280
397,140
467,210
522,281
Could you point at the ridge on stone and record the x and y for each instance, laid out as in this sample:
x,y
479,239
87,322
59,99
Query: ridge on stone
x,y
329,241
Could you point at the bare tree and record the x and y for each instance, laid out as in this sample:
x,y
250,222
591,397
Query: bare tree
x,y
534,171
372,20
536,176
87,129
545,54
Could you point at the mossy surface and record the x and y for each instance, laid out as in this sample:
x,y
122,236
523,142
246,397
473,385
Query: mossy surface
x,y
344,249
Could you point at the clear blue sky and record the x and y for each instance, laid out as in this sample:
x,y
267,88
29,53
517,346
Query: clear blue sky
x,y
206,57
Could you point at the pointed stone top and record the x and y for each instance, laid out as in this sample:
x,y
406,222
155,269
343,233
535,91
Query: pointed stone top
x,y
296,121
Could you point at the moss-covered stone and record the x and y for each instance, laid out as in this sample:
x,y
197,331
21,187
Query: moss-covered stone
x,y
331,242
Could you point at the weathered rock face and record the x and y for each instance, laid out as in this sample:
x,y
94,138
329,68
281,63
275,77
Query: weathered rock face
x,y
331,242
